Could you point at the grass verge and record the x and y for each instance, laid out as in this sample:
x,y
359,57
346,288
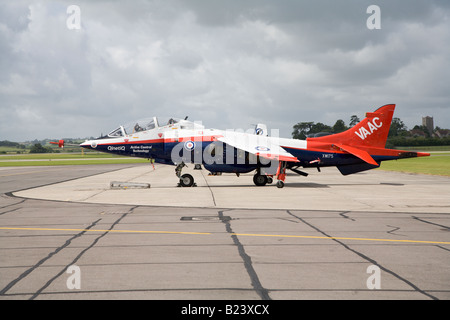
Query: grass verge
x,y
60,159
436,164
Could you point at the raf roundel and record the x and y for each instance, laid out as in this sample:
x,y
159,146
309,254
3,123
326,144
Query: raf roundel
x,y
189,145
262,148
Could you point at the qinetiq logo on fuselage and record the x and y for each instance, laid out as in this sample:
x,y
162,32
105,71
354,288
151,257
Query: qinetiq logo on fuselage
x,y
116,148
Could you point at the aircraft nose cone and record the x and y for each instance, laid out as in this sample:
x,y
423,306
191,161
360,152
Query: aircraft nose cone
x,y
88,144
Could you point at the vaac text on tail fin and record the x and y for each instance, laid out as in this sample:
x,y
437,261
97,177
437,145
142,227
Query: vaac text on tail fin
x,y
372,131
365,142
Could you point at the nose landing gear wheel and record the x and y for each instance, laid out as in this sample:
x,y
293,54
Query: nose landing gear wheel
x,y
186,180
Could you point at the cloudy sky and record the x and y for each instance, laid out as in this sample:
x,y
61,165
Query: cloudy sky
x,y
227,63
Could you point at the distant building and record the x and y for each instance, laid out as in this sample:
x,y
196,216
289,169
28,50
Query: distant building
x,y
428,123
418,133
442,133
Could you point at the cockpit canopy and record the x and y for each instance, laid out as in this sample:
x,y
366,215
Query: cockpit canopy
x,y
152,123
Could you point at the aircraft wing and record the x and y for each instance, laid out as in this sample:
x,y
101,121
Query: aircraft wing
x,y
262,146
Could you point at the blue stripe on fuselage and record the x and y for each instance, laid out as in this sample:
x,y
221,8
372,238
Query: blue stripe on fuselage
x,y
162,152
329,158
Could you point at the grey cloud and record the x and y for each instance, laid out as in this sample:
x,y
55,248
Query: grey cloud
x,y
227,63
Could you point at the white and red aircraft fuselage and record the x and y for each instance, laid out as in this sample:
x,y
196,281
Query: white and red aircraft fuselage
x,y
177,142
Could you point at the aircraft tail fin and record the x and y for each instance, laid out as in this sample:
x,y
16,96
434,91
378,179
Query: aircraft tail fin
x,y
372,131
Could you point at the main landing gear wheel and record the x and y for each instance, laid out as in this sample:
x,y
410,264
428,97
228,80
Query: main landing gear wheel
x,y
186,180
260,180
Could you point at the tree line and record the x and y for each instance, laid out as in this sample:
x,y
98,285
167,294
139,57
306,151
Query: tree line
x,y
399,135
35,146
6,143
303,130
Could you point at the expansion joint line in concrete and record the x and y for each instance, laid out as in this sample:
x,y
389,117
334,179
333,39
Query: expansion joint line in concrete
x,y
82,252
57,250
51,254
256,283
364,257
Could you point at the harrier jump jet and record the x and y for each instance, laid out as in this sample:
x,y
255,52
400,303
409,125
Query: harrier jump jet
x,y
179,142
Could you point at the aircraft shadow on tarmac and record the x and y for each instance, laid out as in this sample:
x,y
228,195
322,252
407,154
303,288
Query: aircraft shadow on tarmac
x,y
304,185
